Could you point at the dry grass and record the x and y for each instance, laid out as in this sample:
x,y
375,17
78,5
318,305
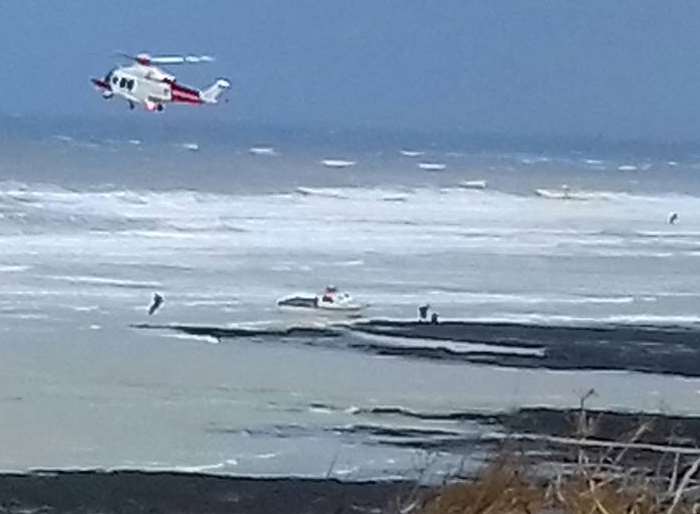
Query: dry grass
x,y
500,489
605,478
504,488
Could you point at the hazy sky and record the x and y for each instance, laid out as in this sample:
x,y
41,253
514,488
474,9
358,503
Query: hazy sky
x,y
614,68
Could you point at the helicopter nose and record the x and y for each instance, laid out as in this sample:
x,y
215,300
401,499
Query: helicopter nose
x,y
101,84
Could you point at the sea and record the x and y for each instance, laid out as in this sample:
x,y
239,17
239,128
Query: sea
x,y
98,215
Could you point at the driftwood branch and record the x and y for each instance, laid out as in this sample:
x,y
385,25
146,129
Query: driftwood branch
x,y
593,443
683,485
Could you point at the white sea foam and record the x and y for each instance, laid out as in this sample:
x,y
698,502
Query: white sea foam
x,y
473,184
323,192
320,410
399,197
211,303
412,153
566,193
204,468
84,308
104,281
194,337
266,456
527,299
621,319
452,346
263,150
432,166
345,471
9,268
351,263
30,316
337,163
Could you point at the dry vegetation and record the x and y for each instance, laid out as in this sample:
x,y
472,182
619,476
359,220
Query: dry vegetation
x,y
594,476
504,488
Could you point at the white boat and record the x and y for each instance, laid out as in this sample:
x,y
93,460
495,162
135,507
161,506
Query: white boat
x,y
432,166
330,299
337,163
192,147
473,184
412,153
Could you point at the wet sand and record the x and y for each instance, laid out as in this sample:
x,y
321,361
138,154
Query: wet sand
x,y
141,492
165,492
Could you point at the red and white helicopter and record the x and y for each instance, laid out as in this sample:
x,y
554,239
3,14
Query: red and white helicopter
x,y
145,84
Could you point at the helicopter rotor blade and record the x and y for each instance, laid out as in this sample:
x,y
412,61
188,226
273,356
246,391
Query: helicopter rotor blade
x,y
141,58
147,59
181,59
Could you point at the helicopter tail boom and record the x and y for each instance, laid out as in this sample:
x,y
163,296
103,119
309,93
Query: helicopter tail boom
x,y
184,94
211,94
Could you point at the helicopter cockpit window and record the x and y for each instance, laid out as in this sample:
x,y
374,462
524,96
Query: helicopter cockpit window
x,y
122,82
130,84
115,79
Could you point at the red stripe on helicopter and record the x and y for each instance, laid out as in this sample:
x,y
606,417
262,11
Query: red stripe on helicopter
x,y
184,94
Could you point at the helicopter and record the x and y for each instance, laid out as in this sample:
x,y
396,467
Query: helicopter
x,y
144,83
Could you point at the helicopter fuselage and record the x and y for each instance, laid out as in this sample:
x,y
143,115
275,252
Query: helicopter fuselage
x,y
151,87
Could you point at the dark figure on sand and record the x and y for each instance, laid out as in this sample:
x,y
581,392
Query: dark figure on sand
x,y
434,318
155,305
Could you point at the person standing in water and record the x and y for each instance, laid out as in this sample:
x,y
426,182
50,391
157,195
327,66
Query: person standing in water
x,y
423,313
155,305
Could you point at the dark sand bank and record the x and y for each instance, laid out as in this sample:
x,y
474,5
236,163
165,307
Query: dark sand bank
x,y
652,349
233,333
564,423
542,432
142,492
608,425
